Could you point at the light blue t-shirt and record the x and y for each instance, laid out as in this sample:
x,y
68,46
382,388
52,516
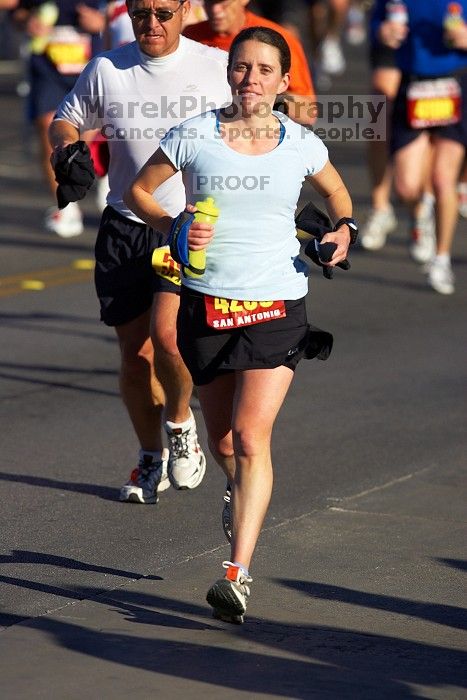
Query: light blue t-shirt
x,y
254,253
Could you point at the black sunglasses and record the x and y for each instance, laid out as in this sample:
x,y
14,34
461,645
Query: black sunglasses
x,y
161,15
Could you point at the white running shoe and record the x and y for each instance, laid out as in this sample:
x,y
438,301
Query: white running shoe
x,y
379,223
227,513
355,32
66,223
423,246
441,276
462,194
187,463
147,480
229,596
332,59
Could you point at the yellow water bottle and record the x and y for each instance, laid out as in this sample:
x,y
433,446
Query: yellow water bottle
x,y
207,214
47,13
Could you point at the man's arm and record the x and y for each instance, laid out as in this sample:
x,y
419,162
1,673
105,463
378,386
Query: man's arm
x,y
299,108
61,134
387,32
300,99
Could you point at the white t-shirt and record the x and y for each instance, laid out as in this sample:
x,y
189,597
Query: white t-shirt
x,y
135,99
254,250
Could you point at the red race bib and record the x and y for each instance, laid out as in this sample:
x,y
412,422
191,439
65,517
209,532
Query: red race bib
x,y
165,266
232,313
434,102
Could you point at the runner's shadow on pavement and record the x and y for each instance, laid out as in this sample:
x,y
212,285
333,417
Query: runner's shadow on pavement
x,y
134,612
24,556
448,615
301,661
459,564
105,492
179,639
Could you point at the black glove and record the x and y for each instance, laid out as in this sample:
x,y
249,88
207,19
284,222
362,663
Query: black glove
x,y
74,172
312,220
318,343
321,253
315,222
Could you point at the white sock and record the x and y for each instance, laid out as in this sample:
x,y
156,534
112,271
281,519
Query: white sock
x,y
184,426
243,568
443,259
428,199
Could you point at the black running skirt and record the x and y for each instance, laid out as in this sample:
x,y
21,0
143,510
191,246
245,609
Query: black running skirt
x,y
208,352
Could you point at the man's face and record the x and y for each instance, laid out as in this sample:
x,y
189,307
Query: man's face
x,y
225,15
157,38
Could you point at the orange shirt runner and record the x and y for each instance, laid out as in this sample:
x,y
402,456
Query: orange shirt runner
x,y
301,83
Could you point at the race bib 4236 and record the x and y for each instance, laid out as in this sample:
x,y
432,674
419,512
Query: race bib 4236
x,y
232,313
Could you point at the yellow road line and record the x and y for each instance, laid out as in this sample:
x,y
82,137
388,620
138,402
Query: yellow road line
x,y
38,280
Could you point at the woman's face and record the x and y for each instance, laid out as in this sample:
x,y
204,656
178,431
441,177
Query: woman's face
x,y
255,75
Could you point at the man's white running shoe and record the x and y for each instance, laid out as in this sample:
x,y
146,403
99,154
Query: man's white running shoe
x,y
227,513
66,223
332,59
441,276
229,596
379,223
423,246
187,463
462,194
355,32
147,480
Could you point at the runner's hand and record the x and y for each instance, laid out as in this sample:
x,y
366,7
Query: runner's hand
x,y
392,34
322,254
456,37
56,151
341,238
199,235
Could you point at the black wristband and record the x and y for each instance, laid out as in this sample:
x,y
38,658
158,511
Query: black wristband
x,y
352,225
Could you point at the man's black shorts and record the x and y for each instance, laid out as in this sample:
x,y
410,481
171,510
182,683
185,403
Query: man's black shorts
x,y
48,87
124,278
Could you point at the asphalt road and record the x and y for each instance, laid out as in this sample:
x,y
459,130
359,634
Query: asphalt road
x,y
385,415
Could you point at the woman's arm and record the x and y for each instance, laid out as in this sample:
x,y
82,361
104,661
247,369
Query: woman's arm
x,y
328,183
139,196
